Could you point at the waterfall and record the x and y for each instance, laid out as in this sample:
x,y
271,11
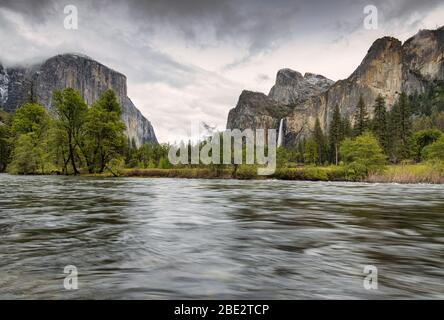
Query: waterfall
x,y
281,133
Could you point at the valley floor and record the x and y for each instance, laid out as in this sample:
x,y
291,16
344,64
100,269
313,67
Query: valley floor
x,y
407,173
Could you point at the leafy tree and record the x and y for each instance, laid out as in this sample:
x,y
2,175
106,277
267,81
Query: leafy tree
x,y
363,155
361,118
435,150
30,128
380,126
336,134
71,111
30,118
5,140
104,137
424,138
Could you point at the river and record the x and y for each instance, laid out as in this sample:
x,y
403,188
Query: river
x,y
136,238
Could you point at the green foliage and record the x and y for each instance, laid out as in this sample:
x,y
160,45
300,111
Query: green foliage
x,y
435,150
432,100
380,124
320,140
164,163
71,111
30,127
286,156
147,155
336,134
400,130
5,140
422,139
361,118
362,155
246,171
311,155
103,133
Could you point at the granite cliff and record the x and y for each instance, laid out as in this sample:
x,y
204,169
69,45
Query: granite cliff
x,y
21,84
389,68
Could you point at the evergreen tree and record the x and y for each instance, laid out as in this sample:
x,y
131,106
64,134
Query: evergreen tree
x,y
311,155
400,129
319,139
361,118
380,126
347,130
335,134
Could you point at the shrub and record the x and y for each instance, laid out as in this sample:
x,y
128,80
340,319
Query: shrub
x,y
362,156
435,150
246,171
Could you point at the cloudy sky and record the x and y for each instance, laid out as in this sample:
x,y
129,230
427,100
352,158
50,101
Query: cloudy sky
x,y
190,59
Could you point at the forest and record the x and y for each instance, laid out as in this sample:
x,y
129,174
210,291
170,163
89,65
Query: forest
x,y
73,138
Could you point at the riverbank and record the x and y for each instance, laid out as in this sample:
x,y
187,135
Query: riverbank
x,y
432,173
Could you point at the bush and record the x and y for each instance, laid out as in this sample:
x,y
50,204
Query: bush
x,y
362,156
435,150
246,172
422,139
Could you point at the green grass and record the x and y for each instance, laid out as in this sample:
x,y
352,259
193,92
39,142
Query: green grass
x,y
427,172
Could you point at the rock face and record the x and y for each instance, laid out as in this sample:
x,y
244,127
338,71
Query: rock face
x,y
256,110
37,83
389,68
292,88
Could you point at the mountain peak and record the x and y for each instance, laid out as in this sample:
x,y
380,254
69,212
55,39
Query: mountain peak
x,y
72,70
292,88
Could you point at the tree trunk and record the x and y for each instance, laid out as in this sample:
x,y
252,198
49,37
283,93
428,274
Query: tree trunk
x,y
336,151
71,155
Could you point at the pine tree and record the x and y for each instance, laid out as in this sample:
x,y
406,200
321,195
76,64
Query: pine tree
x,y
347,131
379,127
319,139
361,118
335,134
400,129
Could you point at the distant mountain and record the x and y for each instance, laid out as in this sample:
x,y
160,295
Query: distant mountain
x,y
38,82
389,68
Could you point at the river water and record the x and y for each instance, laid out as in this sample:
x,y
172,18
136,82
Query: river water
x,y
136,238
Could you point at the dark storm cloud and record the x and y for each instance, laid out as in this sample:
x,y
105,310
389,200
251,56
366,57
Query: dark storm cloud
x,y
36,10
259,24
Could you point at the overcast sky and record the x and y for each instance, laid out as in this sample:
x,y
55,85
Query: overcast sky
x,y
189,60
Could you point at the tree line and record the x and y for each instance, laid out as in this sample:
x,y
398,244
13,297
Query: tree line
x,y
404,133
70,138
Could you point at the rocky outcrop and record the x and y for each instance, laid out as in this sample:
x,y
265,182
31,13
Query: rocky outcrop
x,y
292,88
389,68
37,83
256,110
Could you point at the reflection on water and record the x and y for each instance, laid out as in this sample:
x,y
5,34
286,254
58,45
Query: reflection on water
x,y
207,239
